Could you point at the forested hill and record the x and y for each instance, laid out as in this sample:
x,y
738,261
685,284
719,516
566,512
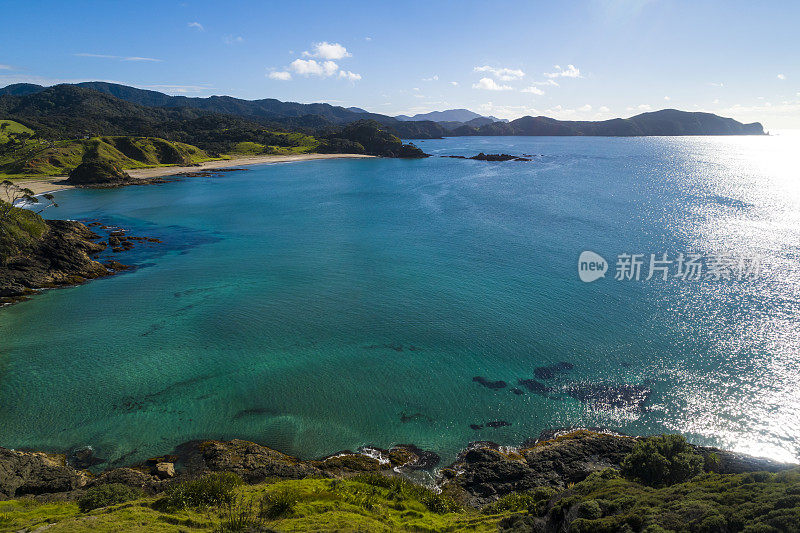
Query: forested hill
x,y
309,118
313,118
664,122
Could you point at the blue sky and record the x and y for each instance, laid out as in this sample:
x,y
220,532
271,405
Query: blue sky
x,y
571,60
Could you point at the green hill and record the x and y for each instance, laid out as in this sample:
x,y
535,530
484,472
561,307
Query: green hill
x,y
10,127
604,502
39,158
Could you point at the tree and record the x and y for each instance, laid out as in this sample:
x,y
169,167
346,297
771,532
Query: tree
x,y
11,194
662,460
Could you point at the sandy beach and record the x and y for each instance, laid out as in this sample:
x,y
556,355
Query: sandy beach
x,y
58,183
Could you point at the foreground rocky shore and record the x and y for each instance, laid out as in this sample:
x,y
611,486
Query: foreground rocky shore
x,y
484,472
66,254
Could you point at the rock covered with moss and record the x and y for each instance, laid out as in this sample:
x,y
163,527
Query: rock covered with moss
x,y
373,138
98,172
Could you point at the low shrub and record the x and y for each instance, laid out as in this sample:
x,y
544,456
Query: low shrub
x,y
401,488
206,491
662,460
105,495
278,504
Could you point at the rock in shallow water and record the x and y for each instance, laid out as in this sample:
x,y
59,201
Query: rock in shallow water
x,y
489,384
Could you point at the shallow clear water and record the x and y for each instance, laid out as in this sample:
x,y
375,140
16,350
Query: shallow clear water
x,y
277,307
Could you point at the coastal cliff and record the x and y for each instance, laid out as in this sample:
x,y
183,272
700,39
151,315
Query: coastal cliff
x,y
577,480
43,254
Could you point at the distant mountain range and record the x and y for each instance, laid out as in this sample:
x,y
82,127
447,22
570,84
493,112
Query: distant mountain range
x,y
451,115
97,108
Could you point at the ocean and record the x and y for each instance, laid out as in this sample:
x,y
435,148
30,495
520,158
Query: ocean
x,y
327,305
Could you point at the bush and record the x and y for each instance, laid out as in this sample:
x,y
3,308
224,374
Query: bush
x,y
662,460
278,504
209,490
105,495
514,502
400,488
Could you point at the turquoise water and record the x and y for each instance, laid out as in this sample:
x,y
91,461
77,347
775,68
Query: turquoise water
x,y
326,305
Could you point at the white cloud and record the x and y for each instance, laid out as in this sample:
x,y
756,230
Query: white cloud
x,y
640,107
715,101
490,85
326,50
454,83
349,76
281,75
603,109
230,39
667,98
585,107
533,89
570,72
367,38
781,76
310,67
435,77
5,67
713,84
546,82
196,25
502,74
120,58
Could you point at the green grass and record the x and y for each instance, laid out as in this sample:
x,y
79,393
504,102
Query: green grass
x,y
18,231
9,126
37,158
286,144
298,505
604,502
607,502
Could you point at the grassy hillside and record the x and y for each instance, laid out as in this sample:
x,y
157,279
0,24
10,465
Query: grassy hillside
x,y
362,503
9,126
281,144
603,502
19,229
40,158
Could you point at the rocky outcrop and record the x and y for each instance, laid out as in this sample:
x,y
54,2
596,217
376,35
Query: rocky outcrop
x,y
253,462
485,471
97,172
32,473
59,258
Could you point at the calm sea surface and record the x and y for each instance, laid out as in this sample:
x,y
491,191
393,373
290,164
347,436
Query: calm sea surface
x,y
327,305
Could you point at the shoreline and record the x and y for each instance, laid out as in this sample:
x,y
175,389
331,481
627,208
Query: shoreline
x,y
52,184
482,472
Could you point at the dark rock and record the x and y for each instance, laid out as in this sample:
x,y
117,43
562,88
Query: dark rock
x,y
550,371
489,383
411,457
518,391
497,424
24,473
497,157
476,426
83,458
534,386
96,172
133,477
61,257
253,462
